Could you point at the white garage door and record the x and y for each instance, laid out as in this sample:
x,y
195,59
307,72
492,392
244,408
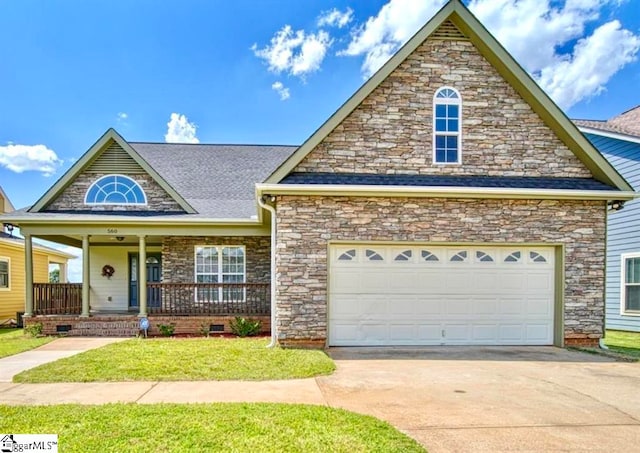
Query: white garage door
x,y
423,295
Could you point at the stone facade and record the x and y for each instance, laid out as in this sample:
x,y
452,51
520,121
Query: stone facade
x,y
390,132
178,256
306,226
72,198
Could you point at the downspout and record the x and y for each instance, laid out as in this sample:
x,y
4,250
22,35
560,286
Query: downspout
x,y
262,202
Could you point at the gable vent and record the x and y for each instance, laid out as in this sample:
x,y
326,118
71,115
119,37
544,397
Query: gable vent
x,y
448,31
114,159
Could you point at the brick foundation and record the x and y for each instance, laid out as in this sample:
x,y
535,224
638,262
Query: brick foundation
x,y
127,325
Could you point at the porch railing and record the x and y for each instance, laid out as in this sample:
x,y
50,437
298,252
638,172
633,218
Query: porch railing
x,y
209,298
57,298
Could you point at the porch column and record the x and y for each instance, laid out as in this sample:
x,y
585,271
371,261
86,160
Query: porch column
x,y
86,277
63,272
142,277
28,261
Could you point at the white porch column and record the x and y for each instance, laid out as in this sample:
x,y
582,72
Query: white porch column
x,y
86,277
63,272
142,277
28,261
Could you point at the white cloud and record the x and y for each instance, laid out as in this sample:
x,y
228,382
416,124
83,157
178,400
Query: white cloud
x,y
335,18
281,90
594,61
122,116
21,158
296,53
383,34
180,130
532,30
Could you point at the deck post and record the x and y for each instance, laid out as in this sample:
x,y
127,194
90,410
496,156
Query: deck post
x,y
142,277
86,277
28,261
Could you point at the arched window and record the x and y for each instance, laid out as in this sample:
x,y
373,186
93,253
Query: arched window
x,y
447,119
115,189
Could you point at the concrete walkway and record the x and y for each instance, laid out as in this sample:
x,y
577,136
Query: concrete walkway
x,y
50,352
447,398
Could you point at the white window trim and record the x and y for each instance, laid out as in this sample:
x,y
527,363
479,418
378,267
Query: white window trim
x,y
457,102
623,285
8,261
220,273
86,194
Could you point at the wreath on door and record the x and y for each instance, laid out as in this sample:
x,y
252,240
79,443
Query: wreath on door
x,y
108,271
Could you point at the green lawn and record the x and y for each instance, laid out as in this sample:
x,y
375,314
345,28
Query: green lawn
x,y
206,427
13,341
173,359
627,343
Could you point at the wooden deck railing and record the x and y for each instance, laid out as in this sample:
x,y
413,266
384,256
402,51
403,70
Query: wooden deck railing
x,y
184,299
57,298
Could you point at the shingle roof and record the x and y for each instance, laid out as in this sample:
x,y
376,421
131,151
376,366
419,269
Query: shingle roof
x,y
447,181
217,180
627,123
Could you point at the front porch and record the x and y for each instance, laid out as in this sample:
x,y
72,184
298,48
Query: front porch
x,y
193,308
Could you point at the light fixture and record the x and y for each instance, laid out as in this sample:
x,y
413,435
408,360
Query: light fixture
x,y
616,205
9,228
119,238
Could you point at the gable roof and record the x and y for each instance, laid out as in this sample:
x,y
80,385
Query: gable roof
x,y
208,181
625,126
455,12
217,180
8,207
90,156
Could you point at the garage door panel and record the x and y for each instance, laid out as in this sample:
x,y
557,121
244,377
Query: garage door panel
x,y
456,331
539,281
538,306
512,280
484,306
376,332
484,332
375,281
457,305
430,281
488,295
484,281
429,333
511,333
402,332
538,333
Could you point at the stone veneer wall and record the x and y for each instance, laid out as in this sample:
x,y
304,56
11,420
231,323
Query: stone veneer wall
x,y
72,198
178,256
307,224
390,132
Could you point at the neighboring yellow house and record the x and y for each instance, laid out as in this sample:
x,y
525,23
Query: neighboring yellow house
x,y
12,266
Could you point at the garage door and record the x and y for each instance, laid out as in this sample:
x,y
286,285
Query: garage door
x,y
423,295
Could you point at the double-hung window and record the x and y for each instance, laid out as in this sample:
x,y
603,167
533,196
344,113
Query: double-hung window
x,y
4,273
630,300
220,264
447,115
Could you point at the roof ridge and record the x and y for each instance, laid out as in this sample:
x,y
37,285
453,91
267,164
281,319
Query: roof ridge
x,y
209,144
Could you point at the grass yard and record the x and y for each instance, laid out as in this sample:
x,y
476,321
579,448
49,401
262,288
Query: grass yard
x,y
13,341
174,359
627,343
206,427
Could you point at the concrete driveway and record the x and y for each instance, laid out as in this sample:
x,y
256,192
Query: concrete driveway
x,y
493,399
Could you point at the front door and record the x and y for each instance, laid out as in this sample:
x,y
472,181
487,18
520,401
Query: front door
x,y
154,274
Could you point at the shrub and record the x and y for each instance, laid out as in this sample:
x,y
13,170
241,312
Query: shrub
x,y
166,330
243,327
204,329
35,329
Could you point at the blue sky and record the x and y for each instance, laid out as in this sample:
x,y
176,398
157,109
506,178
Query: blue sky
x,y
230,72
